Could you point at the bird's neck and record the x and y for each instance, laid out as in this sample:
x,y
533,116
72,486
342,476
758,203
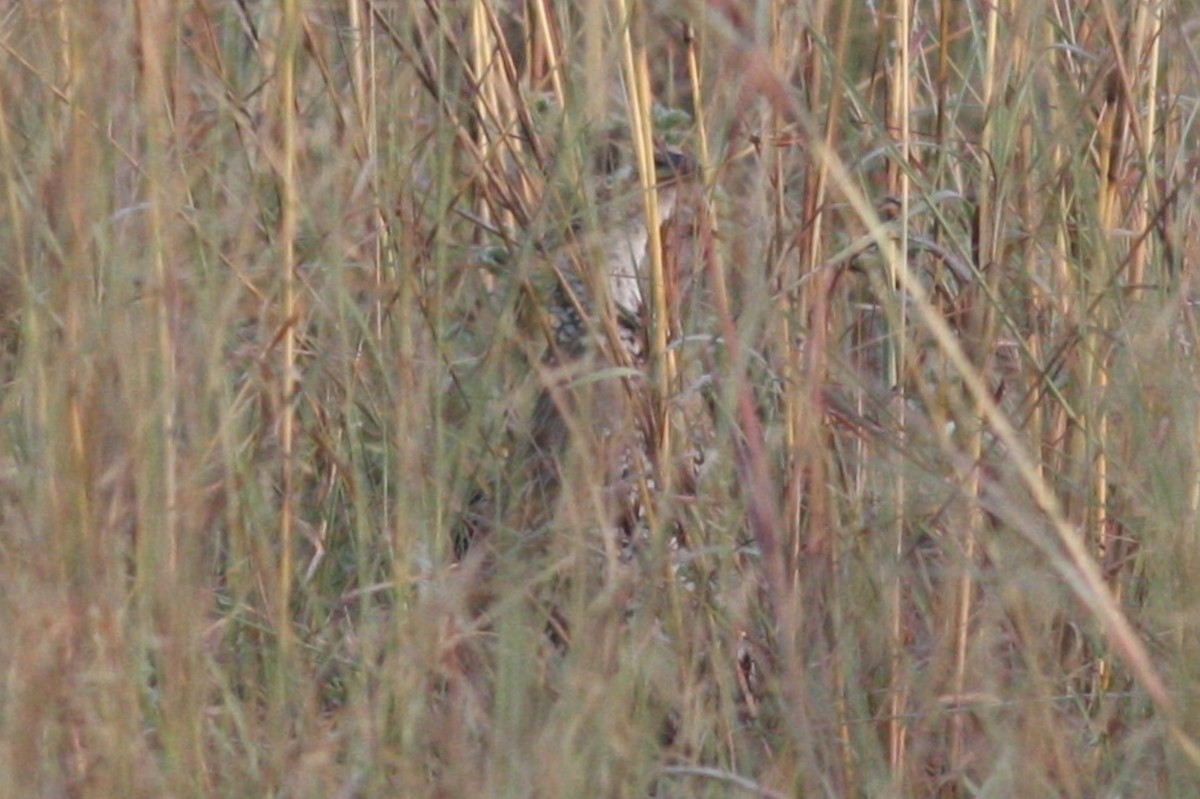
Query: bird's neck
x,y
627,256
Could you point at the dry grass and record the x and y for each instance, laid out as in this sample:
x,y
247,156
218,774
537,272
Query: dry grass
x,y
268,313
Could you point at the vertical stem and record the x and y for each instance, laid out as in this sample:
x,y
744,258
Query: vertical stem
x,y
898,110
288,384
153,98
1145,40
546,34
822,511
981,335
662,360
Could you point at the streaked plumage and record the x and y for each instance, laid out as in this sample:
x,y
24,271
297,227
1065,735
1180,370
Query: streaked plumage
x,y
590,444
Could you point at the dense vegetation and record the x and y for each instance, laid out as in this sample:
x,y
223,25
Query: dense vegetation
x,y
269,306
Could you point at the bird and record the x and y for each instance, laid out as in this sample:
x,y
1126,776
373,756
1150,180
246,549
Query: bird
x,y
598,325
590,449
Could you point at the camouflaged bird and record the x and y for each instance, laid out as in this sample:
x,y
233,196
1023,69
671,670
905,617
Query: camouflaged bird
x,y
591,441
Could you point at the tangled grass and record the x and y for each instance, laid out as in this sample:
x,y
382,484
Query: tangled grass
x,y
269,309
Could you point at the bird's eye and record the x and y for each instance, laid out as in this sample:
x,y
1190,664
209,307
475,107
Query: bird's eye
x,y
671,164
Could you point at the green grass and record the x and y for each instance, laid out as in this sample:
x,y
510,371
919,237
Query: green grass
x,y
268,307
